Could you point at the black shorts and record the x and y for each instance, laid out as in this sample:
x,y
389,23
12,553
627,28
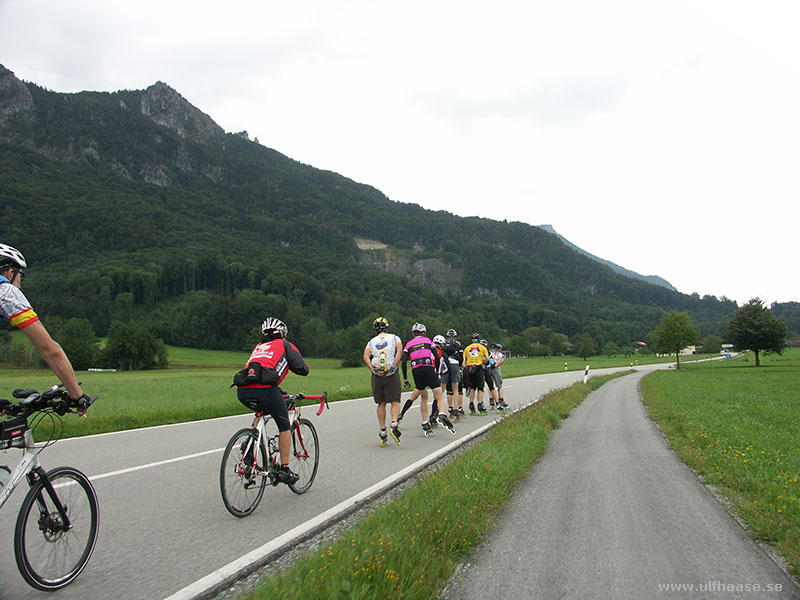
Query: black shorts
x,y
474,378
271,402
425,377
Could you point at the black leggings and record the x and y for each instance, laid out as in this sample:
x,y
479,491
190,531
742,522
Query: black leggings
x,y
271,401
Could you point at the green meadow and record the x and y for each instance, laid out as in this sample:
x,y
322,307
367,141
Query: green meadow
x,y
738,427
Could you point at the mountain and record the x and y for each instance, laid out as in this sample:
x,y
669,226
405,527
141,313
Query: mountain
x,y
654,279
136,205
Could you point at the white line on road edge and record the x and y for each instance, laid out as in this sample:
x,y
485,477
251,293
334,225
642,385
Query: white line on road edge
x,y
252,560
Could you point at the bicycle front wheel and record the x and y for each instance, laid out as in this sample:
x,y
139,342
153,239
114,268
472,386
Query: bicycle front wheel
x,y
51,553
241,481
305,455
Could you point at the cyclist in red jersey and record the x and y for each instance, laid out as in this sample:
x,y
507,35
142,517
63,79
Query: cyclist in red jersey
x,y
15,308
276,356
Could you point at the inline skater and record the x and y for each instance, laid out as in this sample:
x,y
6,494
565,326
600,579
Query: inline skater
x,y
424,360
382,356
451,378
475,356
497,358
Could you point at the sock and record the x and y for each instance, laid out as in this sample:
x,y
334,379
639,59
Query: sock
x,y
394,424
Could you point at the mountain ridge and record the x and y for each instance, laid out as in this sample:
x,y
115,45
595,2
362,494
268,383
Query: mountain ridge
x,y
158,209
654,279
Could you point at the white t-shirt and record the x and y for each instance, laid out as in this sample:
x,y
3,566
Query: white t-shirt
x,y
383,348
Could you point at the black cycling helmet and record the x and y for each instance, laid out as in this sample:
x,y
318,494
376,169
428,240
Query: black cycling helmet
x,y
380,324
11,256
274,328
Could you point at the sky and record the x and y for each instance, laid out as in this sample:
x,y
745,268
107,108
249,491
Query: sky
x,y
662,136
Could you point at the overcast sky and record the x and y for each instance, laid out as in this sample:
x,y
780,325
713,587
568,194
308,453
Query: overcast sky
x,y
663,136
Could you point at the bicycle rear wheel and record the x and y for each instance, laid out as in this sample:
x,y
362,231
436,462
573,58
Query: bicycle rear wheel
x,y
49,554
305,455
241,482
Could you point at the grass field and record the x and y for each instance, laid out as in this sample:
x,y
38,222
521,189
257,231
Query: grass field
x,y
738,427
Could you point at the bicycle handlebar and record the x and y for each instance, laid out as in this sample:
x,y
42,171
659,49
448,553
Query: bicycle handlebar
x,y
323,400
56,398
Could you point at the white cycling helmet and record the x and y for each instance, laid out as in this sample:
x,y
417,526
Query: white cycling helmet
x,y
452,333
418,328
438,340
274,328
9,255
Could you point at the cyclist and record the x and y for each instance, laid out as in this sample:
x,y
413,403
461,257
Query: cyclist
x,y
451,378
424,365
382,356
475,356
15,308
275,356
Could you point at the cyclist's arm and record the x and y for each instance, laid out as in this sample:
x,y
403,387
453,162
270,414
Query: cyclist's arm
x,y
54,356
296,363
405,365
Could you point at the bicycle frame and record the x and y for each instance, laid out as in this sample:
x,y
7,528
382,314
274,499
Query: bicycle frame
x,y
29,465
271,442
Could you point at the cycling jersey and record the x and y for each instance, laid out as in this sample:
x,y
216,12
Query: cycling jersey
x,y
278,354
475,354
14,306
421,354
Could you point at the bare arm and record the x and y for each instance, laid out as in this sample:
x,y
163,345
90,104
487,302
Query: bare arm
x,y
54,356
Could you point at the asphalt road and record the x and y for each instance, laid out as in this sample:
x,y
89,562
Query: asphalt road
x,y
610,512
163,527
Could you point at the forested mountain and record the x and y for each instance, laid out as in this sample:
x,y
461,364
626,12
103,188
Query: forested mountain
x,y
135,205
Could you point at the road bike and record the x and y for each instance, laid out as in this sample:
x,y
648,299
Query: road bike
x,y
251,458
57,524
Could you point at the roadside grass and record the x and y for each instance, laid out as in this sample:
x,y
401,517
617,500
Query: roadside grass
x,y
408,547
738,427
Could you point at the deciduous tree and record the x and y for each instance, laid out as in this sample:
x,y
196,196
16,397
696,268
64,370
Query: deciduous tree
x,y
674,333
755,328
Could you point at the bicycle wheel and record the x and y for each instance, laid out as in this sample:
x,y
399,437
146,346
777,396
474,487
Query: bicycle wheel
x,y
49,554
305,455
242,484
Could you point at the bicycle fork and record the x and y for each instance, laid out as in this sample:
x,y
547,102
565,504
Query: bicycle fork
x,y
51,523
